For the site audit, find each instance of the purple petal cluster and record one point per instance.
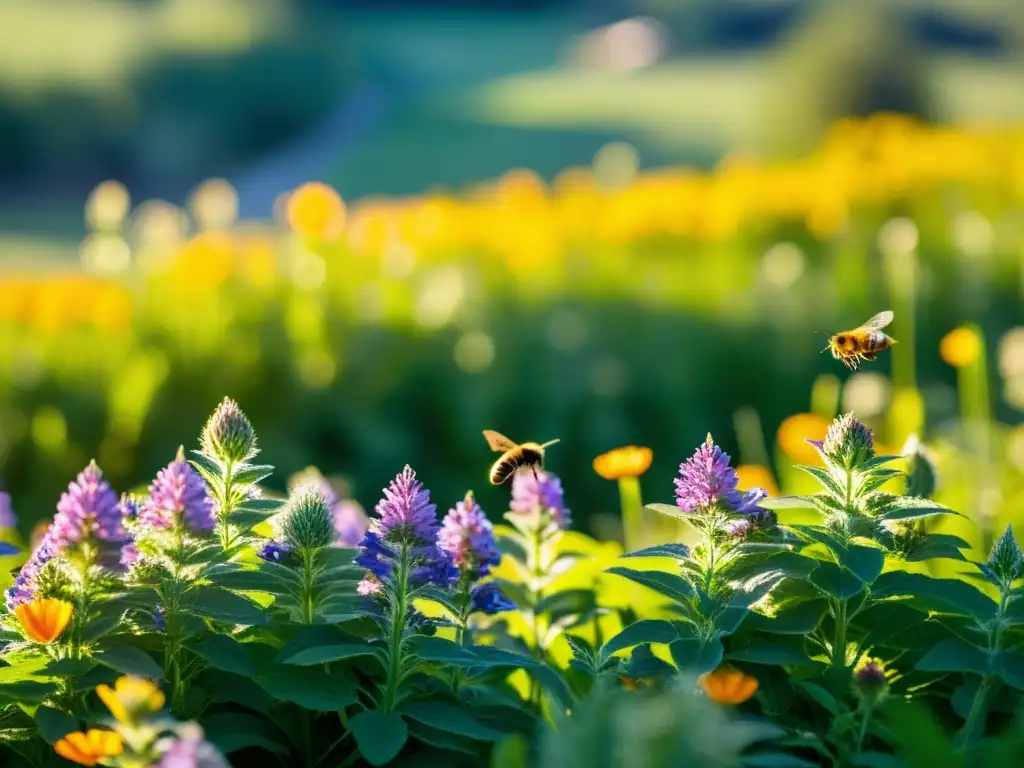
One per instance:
(7, 516)
(706, 480)
(468, 537)
(539, 494)
(275, 552)
(407, 522)
(405, 514)
(191, 750)
(350, 523)
(178, 492)
(23, 590)
(89, 509)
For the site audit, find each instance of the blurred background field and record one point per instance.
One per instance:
(607, 222)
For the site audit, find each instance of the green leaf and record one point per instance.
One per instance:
(694, 655)
(640, 633)
(1010, 667)
(442, 651)
(911, 507)
(26, 692)
(444, 740)
(675, 551)
(835, 582)
(863, 562)
(222, 605)
(309, 687)
(233, 731)
(53, 724)
(441, 597)
(445, 717)
(206, 465)
(643, 663)
(223, 653)
(823, 476)
(774, 654)
(822, 697)
(667, 584)
(940, 594)
(129, 660)
(878, 461)
(875, 479)
(799, 619)
(379, 735)
(250, 474)
(252, 580)
(512, 752)
(817, 534)
(938, 546)
(955, 655)
(323, 654)
(776, 760)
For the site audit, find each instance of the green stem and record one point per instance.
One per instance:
(632, 513)
(398, 618)
(227, 507)
(979, 706)
(308, 580)
(862, 734)
(839, 643)
(536, 595)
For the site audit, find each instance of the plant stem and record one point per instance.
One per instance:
(399, 598)
(536, 595)
(632, 513)
(226, 507)
(839, 644)
(308, 580)
(864, 728)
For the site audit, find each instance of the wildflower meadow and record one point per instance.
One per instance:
(830, 577)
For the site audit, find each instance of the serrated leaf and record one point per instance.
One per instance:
(251, 580)
(445, 717)
(129, 660)
(695, 655)
(955, 655)
(250, 474)
(908, 507)
(206, 465)
(787, 502)
(54, 724)
(799, 619)
(379, 735)
(309, 687)
(863, 562)
(836, 582)
(826, 479)
(667, 584)
(224, 653)
(949, 594)
(640, 633)
(324, 654)
(672, 550)
(221, 605)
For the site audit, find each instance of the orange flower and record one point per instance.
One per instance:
(628, 461)
(316, 210)
(755, 476)
(130, 697)
(727, 686)
(90, 747)
(633, 683)
(794, 433)
(960, 347)
(44, 620)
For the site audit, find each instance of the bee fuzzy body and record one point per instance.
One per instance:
(863, 343)
(514, 457)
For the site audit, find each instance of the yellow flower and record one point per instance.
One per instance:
(755, 476)
(628, 461)
(130, 697)
(794, 433)
(44, 620)
(90, 747)
(316, 210)
(960, 347)
(727, 686)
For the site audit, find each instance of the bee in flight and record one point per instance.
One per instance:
(863, 342)
(514, 456)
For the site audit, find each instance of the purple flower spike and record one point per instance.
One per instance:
(88, 509)
(468, 536)
(350, 523)
(7, 516)
(23, 590)
(489, 599)
(534, 495)
(706, 480)
(405, 513)
(191, 750)
(178, 490)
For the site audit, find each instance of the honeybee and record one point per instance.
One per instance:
(863, 342)
(514, 456)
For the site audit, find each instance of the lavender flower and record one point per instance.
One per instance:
(24, 588)
(350, 523)
(191, 750)
(706, 480)
(88, 510)
(406, 522)
(178, 492)
(489, 599)
(540, 494)
(7, 516)
(468, 536)
(405, 514)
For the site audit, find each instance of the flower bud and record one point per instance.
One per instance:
(307, 524)
(848, 443)
(922, 476)
(228, 435)
(1005, 560)
(870, 680)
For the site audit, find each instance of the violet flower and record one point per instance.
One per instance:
(178, 492)
(191, 750)
(468, 537)
(7, 517)
(350, 523)
(489, 599)
(275, 552)
(540, 494)
(88, 510)
(706, 481)
(405, 514)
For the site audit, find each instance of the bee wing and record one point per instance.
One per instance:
(878, 322)
(498, 441)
